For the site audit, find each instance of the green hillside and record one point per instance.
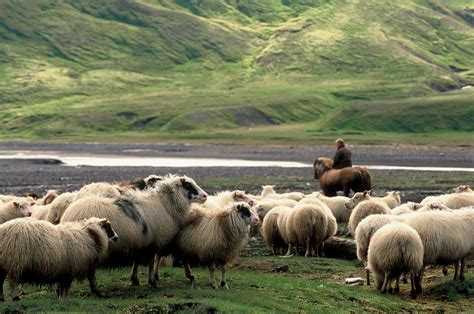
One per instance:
(287, 70)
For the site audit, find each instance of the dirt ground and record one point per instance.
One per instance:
(20, 176)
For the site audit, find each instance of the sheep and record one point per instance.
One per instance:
(141, 183)
(364, 205)
(148, 220)
(269, 192)
(264, 206)
(40, 212)
(214, 239)
(462, 189)
(307, 225)
(101, 189)
(224, 198)
(47, 198)
(448, 237)
(406, 208)
(336, 205)
(270, 232)
(12, 210)
(395, 249)
(59, 206)
(458, 200)
(364, 232)
(10, 198)
(392, 199)
(39, 252)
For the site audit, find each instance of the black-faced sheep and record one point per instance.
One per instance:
(36, 251)
(395, 249)
(147, 220)
(12, 210)
(364, 205)
(214, 238)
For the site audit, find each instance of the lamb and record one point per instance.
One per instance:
(222, 199)
(12, 210)
(392, 199)
(448, 237)
(38, 252)
(59, 206)
(270, 231)
(148, 220)
(364, 205)
(269, 192)
(214, 239)
(264, 206)
(307, 225)
(101, 189)
(406, 208)
(337, 206)
(395, 249)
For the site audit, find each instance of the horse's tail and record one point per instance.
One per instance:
(365, 180)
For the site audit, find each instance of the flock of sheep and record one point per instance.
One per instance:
(138, 222)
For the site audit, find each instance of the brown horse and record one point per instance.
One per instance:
(331, 180)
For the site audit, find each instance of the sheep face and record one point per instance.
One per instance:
(356, 199)
(107, 227)
(462, 189)
(246, 212)
(23, 208)
(193, 191)
(240, 196)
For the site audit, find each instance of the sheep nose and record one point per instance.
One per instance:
(203, 197)
(29, 214)
(114, 238)
(251, 203)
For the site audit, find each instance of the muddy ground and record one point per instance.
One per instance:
(18, 176)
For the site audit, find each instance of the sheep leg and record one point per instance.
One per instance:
(188, 273)
(397, 285)
(385, 284)
(463, 268)
(404, 278)
(156, 267)
(418, 278)
(445, 270)
(367, 272)
(321, 250)
(134, 275)
(212, 278)
(308, 247)
(413, 289)
(2, 281)
(456, 270)
(93, 284)
(63, 289)
(223, 280)
(151, 273)
(14, 290)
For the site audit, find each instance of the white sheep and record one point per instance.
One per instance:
(337, 206)
(11, 210)
(264, 206)
(364, 205)
(37, 251)
(269, 192)
(395, 249)
(147, 220)
(448, 237)
(214, 238)
(59, 206)
(224, 198)
(307, 225)
(270, 232)
(392, 199)
(408, 207)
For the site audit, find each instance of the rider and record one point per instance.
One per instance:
(342, 158)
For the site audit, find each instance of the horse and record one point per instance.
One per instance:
(332, 180)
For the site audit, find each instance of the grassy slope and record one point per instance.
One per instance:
(289, 70)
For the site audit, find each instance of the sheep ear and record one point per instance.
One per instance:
(32, 203)
(103, 221)
(17, 205)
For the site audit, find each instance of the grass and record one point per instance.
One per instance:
(256, 285)
(272, 71)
